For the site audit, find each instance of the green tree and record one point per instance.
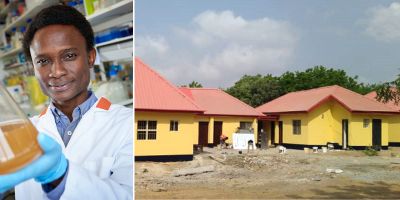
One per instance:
(389, 91)
(256, 90)
(195, 84)
(320, 76)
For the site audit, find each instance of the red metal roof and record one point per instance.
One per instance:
(217, 102)
(154, 93)
(305, 101)
(391, 104)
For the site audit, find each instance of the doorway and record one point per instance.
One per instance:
(345, 133)
(377, 134)
(272, 133)
(217, 132)
(203, 133)
(280, 126)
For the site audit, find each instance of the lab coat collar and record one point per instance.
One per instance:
(103, 104)
(47, 121)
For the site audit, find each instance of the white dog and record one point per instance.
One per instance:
(282, 149)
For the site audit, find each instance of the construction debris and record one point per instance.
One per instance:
(336, 171)
(220, 160)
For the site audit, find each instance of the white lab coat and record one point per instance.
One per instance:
(101, 143)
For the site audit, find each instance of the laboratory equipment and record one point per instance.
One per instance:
(18, 144)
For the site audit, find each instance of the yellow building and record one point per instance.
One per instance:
(164, 118)
(223, 114)
(327, 115)
(394, 121)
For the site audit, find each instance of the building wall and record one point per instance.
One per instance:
(320, 125)
(288, 136)
(324, 124)
(338, 114)
(360, 136)
(394, 129)
(167, 142)
(229, 126)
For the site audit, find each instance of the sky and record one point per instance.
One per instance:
(216, 42)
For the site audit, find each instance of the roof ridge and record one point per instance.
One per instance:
(318, 88)
(373, 91)
(302, 91)
(273, 100)
(169, 84)
(376, 101)
(371, 100)
(200, 88)
(238, 100)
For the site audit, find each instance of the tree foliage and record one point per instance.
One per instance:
(389, 91)
(195, 84)
(257, 90)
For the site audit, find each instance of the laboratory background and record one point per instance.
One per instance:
(111, 77)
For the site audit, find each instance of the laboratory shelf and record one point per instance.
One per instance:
(10, 53)
(114, 41)
(21, 20)
(111, 12)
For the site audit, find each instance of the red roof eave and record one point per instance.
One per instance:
(163, 110)
(232, 115)
(328, 98)
(286, 112)
(269, 117)
(376, 112)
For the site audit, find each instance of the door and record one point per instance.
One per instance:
(262, 134)
(280, 126)
(217, 132)
(345, 133)
(272, 133)
(260, 130)
(203, 133)
(377, 134)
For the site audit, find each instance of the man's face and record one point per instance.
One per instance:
(62, 63)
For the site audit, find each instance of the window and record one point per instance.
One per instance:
(147, 130)
(297, 127)
(365, 123)
(173, 125)
(141, 132)
(245, 125)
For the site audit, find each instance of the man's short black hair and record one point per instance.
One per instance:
(62, 15)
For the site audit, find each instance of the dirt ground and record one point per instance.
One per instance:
(266, 174)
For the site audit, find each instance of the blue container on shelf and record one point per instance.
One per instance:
(107, 36)
(125, 31)
(115, 33)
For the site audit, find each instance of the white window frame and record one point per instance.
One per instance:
(174, 125)
(366, 123)
(150, 133)
(296, 123)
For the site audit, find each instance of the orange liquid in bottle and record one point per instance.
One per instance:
(18, 145)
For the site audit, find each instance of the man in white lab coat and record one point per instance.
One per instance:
(87, 142)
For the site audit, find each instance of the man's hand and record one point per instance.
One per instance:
(47, 168)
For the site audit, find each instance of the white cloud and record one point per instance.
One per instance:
(218, 48)
(384, 23)
(151, 45)
(227, 28)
